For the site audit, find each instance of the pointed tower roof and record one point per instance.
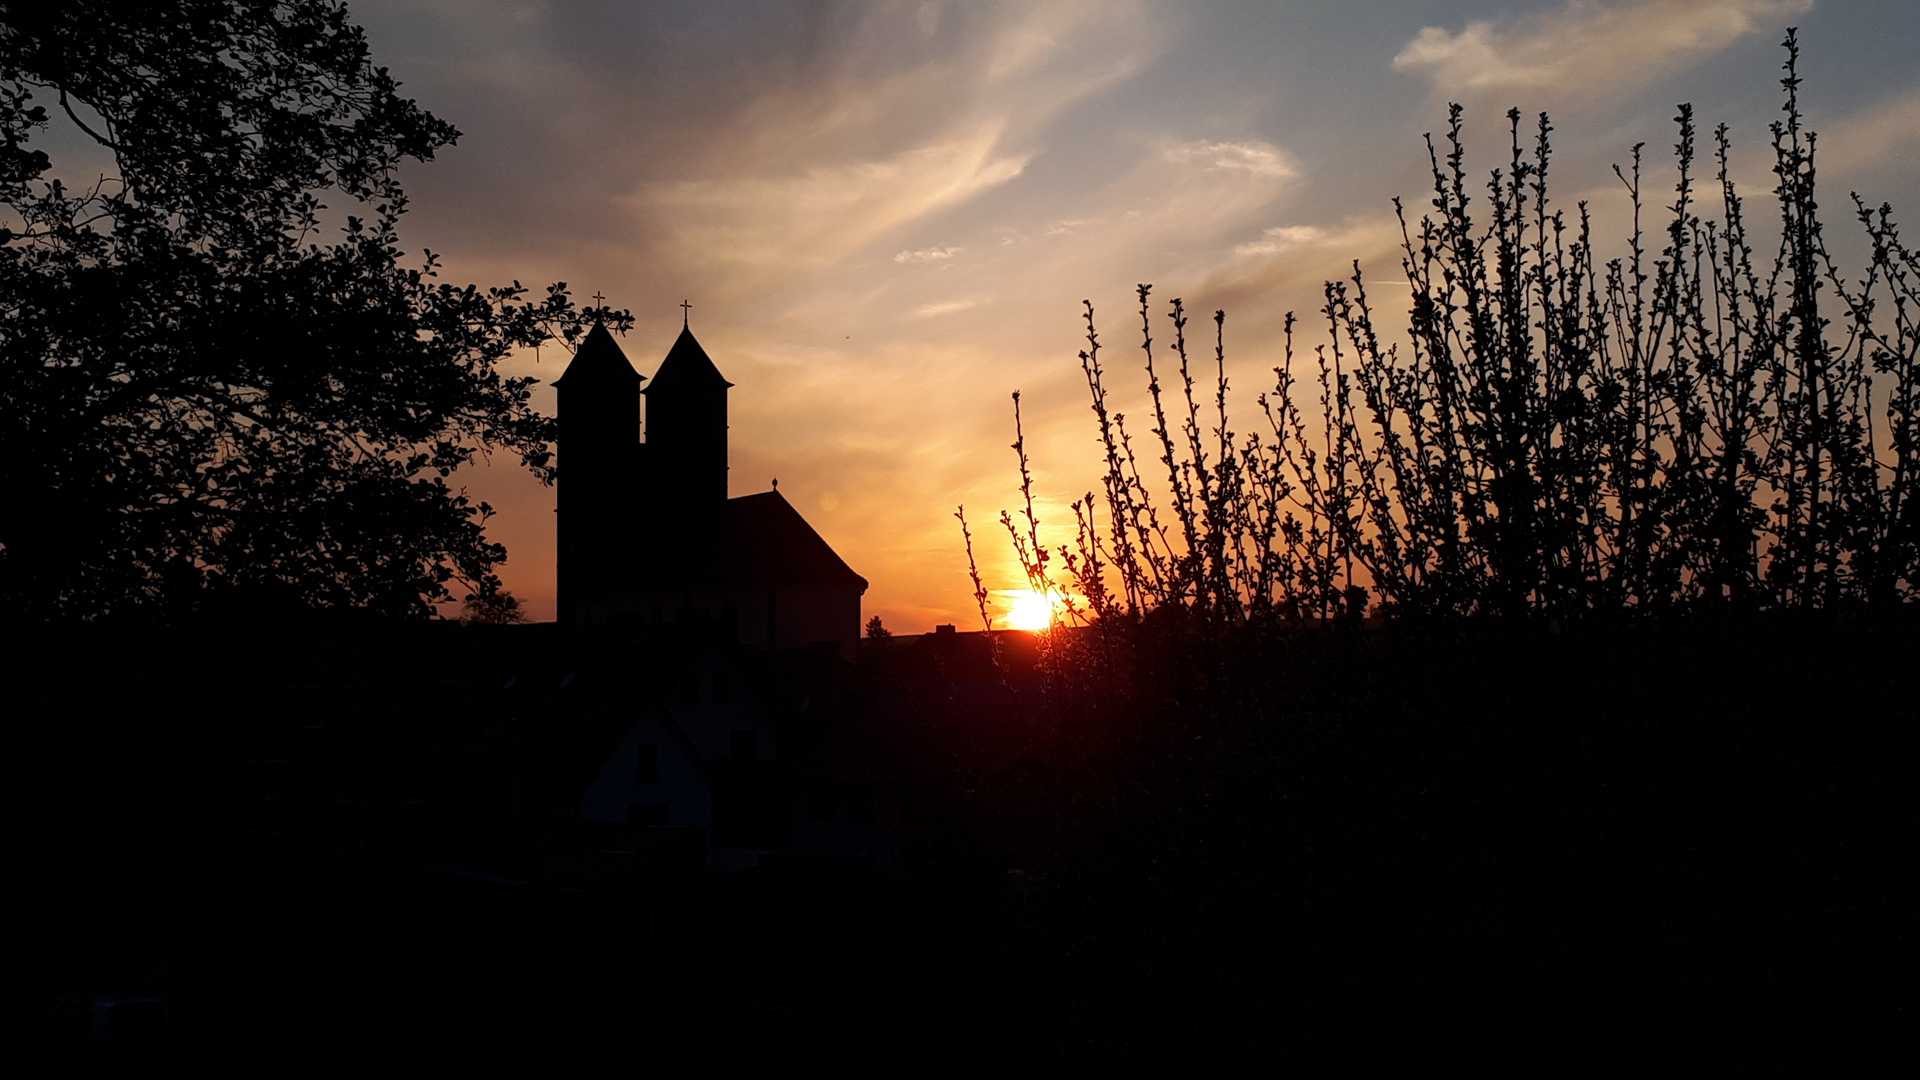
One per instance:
(600, 360)
(687, 366)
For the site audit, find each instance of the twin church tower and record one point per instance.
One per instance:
(646, 530)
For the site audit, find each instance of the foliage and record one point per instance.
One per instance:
(1560, 438)
(496, 608)
(199, 399)
(877, 630)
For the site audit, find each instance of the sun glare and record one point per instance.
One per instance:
(1031, 610)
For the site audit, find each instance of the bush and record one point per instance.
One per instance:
(1560, 438)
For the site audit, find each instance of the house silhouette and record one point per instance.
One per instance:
(646, 531)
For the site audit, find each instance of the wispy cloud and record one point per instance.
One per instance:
(818, 167)
(1284, 238)
(948, 307)
(1289, 262)
(1252, 156)
(1585, 46)
(821, 215)
(1885, 132)
(928, 255)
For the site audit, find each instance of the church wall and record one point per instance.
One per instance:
(600, 522)
(686, 436)
(807, 613)
(688, 430)
(796, 614)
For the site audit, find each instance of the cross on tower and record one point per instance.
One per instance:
(600, 300)
(686, 314)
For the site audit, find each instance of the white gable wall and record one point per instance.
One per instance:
(682, 782)
(709, 724)
(686, 734)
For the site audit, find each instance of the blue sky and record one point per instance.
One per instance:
(886, 215)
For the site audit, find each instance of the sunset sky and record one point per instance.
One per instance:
(886, 215)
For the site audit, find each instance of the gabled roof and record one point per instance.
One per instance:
(686, 367)
(600, 360)
(768, 542)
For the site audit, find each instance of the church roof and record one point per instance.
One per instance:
(599, 360)
(769, 542)
(687, 366)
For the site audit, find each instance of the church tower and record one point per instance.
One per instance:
(599, 541)
(687, 452)
(646, 530)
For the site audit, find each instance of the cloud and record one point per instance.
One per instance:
(819, 216)
(1262, 159)
(927, 255)
(1871, 138)
(681, 147)
(1288, 264)
(887, 126)
(1284, 238)
(948, 307)
(1585, 46)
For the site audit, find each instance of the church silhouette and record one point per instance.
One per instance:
(645, 528)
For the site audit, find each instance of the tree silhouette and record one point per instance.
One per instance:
(496, 608)
(201, 401)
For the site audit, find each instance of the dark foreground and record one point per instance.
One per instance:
(1519, 847)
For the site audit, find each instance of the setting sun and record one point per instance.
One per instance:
(1032, 610)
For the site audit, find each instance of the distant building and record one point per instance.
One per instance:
(646, 530)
